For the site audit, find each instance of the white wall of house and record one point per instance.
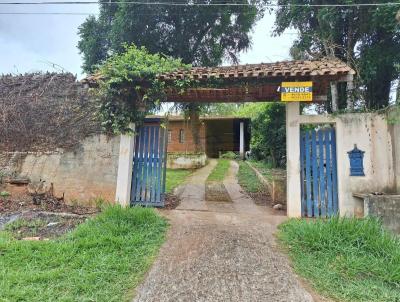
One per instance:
(371, 132)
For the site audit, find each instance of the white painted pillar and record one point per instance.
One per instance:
(241, 140)
(293, 189)
(125, 163)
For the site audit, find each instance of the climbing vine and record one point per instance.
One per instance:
(128, 87)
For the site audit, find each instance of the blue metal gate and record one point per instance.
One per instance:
(149, 167)
(319, 194)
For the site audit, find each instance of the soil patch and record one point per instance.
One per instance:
(171, 201)
(34, 225)
(25, 202)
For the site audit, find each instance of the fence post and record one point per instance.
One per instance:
(125, 163)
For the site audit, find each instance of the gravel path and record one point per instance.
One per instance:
(221, 252)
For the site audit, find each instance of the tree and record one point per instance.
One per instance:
(268, 131)
(199, 35)
(366, 37)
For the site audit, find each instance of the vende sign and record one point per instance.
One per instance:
(296, 92)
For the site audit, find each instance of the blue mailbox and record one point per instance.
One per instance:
(356, 157)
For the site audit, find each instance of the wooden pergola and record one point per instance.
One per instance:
(259, 82)
(255, 82)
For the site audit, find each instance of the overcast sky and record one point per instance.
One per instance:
(31, 43)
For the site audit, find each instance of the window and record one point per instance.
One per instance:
(169, 136)
(181, 136)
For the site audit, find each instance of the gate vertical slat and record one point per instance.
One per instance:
(145, 163)
(164, 161)
(151, 168)
(308, 175)
(135, 166)
(321, 148)
(302, 145)
(334, 172)
(140, 166)
(160, 152)
(328, 170)
(155, 164)
(315, 173)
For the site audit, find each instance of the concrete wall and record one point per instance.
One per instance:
(385, 207)
(83, 174)
(186, 160)
(394, 129)
(372, 134)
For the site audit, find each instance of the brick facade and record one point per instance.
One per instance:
(217, 134)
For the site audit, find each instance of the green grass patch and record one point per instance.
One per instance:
(175, 178)
(103, 259)
(220, 170)
(345, 259)
(248, 179)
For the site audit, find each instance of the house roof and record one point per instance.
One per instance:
(264, 70)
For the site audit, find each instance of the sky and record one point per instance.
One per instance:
(30, 43)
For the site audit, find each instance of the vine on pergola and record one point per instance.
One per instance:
(128, 87)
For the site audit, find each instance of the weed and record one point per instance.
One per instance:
(5, 194)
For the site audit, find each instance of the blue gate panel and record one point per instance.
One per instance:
(319, 195)
(149, 167)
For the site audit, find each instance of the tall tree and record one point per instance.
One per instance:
(366, 37)
(199, 35)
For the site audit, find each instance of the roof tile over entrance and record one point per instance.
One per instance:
(265, 70)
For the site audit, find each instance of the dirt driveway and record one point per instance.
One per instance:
(220, 251)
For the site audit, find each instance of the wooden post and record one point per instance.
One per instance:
(334, 94)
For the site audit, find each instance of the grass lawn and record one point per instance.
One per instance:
(267, 171)
(103, 259)
(175, 178)
(345, 259)
(220, 170)
(248, 179)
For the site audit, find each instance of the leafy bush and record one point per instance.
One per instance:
(229, 155)
(268, 133)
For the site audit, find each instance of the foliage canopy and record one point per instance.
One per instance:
(366, 37)
(199, 35)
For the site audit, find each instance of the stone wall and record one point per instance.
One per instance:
(87, 172)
